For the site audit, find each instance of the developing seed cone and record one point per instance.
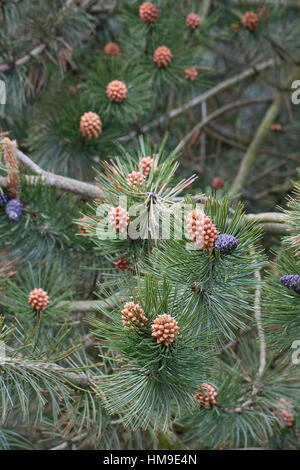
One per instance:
(148, 12)
(133, 315)
(165, 329)
(250, 21)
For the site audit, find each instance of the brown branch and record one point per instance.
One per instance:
(91, 191)
(241, 143)
(255, 145)
(217, 113)
(255, 69)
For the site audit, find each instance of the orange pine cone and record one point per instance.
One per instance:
(133, 315)
(162, 56)
(122, 263)
(285, 412)
(191, 74)
(201, 230)
(218, 182)
(38, 299)
(250, 20)
(206, 396)
(82, 228)
(165, 329)
(116, 91)
(111, 48)
(193, 20)
(276, 127)
(148, 12)
(119, 219)
(146, 165)
(135, 178)
(90, 125)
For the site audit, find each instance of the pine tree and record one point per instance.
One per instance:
(149, 225)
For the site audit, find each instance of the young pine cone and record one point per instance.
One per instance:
(38, 299)
(193, 20)
(226, 243)
(122, 263)
(250, 20)
(148, 12)
(162, 56)
(90, 125)
(111, 48)
(206, 396)
(287, 417)
(191, 74)
(119, 219)
(165, 329)
(4, 198)
(201, 230)
(276, 127)
(135, 178)
(218, 182)
(133, 315)
(146, 165)
(116, 91)
(82, 228)
(292, 281)
(14, 209)
(285, 413)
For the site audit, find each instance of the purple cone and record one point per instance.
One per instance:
(14, 209)
(4, 198)
(226, 243)
(292, 281)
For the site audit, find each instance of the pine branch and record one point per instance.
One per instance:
(36, 51)
(255, 145)
(91, 191)
(218, 112)
(224, 85)
(287, 3)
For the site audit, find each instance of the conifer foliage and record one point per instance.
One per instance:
(149, 225)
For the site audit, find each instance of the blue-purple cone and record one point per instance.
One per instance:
(226, 243)
(14, 209)
(292, 281)
(4, 198)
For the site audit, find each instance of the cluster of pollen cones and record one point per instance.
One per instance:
(165, 329)
(201, 230)
(38, 299)
(206, 396)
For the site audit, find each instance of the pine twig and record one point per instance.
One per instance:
(217, 113)
(91, 191)
(261, 335)
(256, 143)
(224, 85)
